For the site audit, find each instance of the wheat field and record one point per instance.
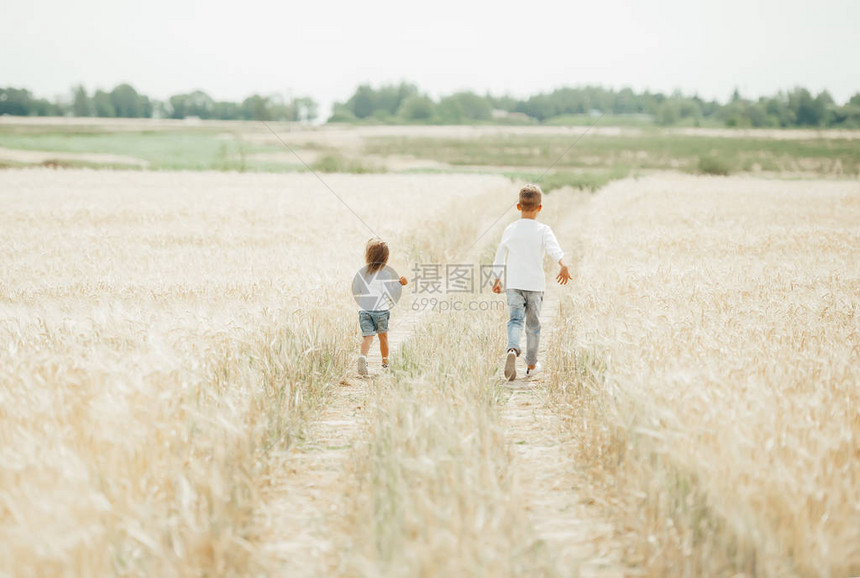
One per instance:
(718, 347)
(178, 348)
(161, 333)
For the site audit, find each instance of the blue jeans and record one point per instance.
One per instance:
(524, 306)
(373, 322)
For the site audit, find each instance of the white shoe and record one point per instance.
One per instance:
(511, 365)
(362, 365)
(535, 371)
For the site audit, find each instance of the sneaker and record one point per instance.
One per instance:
(384, 366)
(532, 372)
(362, 365)
(511, 365)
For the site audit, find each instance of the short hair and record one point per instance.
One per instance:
(530, 197)
(376, 255)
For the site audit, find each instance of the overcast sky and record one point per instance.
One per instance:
(325, 49)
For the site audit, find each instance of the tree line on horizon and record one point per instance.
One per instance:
(404, 103)
(125, 102)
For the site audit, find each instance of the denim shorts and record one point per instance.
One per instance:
(373, 322)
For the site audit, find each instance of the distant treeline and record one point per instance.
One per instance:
(125, 102)
(405, 103)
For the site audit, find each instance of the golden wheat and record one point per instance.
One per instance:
(435, 492)
(717, 347)
(163, 334)
(160, 333)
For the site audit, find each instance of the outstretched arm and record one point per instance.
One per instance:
(392, 283)
(554, 250)
(563, 274)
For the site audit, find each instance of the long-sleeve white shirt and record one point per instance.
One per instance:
(524, 243)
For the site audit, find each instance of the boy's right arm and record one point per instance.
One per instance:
(499, 266)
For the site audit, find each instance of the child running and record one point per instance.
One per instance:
(375, 287)
(524, 243)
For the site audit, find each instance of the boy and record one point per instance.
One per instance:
(524, 242)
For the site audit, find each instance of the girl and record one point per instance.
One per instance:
(376, 288)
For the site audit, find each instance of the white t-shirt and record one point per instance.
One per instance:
(379, 291)
(524, 243)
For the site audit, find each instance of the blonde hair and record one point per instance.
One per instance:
(376, 255)
(530, 197)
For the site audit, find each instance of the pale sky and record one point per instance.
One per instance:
(325, 49)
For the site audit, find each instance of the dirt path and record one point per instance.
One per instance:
(306, 488)
(302, 499)
(580, 538)
(563, 514)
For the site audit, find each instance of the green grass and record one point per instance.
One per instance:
(68, 164)
(164, 150)
(592, 162)
(195, 149)
(585, 180)
(649, 150)
(714, 166)
(622, 120)
(337, 163)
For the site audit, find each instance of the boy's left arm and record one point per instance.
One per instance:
(554, 250)
(563, 274)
